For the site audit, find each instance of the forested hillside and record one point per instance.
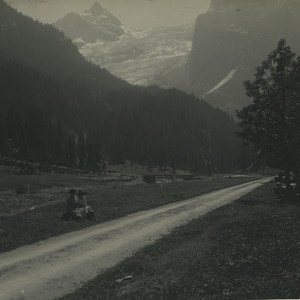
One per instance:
(57, 108)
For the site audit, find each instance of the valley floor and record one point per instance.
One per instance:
(245, 250)
(32, 205)
(54, 267)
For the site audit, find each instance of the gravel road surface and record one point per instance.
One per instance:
(54, 267)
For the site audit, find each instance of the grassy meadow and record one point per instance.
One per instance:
(32, 205)
(245, 250)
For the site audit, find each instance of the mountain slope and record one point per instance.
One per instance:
(44, 48)
(233, 37)
(55, 107)
(144, 57)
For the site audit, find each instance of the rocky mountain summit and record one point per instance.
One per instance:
(92, 25)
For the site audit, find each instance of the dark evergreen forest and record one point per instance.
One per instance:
(57, 108)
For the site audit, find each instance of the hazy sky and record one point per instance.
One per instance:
(135, 13)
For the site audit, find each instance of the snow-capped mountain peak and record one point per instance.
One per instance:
(147, 56)
(143, 56)
(97, 15)
(96, 9)
(92, 25)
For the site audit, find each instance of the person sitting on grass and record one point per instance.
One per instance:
(71, 206)
(83, 210)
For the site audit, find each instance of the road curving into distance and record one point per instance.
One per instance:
(59, 265)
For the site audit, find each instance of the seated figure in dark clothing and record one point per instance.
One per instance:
(77, 207)
(71, 206)
(84, 210)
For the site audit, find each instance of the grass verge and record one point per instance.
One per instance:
(108, 201)
(245, 250)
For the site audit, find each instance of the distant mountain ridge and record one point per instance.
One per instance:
(92, 25)
(211, 60)
(143, 57)
(147, 56)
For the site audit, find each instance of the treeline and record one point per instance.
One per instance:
(46, 120)
(57, 108)
(59, 122)
(167, 127)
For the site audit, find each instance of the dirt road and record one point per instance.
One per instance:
(59, 265)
